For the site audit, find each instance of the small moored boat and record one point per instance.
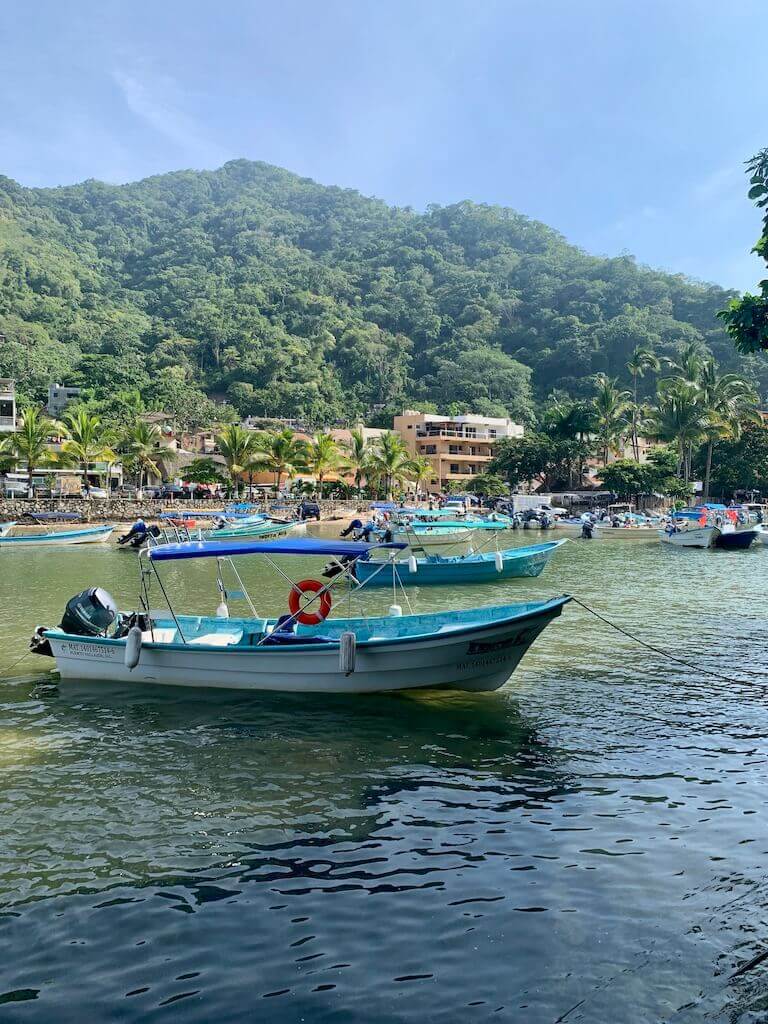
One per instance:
(484, 567)
(88, 535)
(302, 651)
(689, 528)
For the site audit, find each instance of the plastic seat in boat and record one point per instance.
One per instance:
(218, 639)
(159, 636)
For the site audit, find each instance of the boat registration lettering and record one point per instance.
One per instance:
(464, 666)
(489, 647)
(80, 650)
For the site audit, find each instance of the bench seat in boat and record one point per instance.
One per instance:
(218, 639)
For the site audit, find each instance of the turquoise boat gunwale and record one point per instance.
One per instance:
(535, 610)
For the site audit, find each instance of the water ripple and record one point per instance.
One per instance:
(586, 845)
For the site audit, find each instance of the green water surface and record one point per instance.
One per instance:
(591, 838)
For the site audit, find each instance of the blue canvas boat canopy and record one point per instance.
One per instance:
(207, 514)
(289, 546)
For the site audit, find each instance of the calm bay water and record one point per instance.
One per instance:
(589, 841)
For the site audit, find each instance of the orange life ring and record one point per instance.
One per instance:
(189, 523)
(309, 587)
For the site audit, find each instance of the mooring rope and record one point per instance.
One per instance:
(660, 651)
(7, 671)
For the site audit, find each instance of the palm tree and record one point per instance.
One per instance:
(141, 446)
(688, 366)
(611, 406)
(679, 417)
(30, 443)
(357, 457)
(283, 453)
(728, 400)
(322, 456)
(236, 445)
(567, 420)
(642, 359)
(85, 442)
(254, 462)
(389, 460)
(420, 470)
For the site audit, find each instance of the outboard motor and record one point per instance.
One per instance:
(89, 613)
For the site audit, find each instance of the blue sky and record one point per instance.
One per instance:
(622, 123)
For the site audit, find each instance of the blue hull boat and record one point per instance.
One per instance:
(737, 540)
(514, 563)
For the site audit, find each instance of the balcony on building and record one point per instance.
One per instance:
(7, 405)
(463, 433)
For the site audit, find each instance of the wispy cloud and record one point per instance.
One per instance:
(158, 100)
(721, 184)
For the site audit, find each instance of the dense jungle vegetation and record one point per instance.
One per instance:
(262, 290)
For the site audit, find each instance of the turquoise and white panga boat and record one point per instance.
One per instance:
(85, 535)
(482, 567)
(302, 650)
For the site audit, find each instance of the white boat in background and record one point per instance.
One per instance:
(689, 537)
(6, 528)
(87, 535)
(606, 531)
(457, 538)
(303, 651)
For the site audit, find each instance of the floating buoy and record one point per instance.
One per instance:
(395, 610)
(498, 561)
(413, 565)
(132, 648)
(222, 611)
(347, 648)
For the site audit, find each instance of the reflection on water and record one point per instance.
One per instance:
(589, 841)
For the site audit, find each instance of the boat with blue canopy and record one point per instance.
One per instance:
(255, 526)
(737, 527)
(301, 650)
(482, 567)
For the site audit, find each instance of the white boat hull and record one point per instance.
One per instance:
(626, 532)
(701, 537)
(482, 658)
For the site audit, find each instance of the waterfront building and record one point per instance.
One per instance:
(459, 447)
(59, 397)
(343, 435)
(7, 405)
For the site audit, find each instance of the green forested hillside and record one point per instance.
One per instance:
(276, 295)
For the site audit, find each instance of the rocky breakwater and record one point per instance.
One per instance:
(126, 510)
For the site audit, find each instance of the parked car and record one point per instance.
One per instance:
(309, 510)
(553, 510)
(94, 492)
